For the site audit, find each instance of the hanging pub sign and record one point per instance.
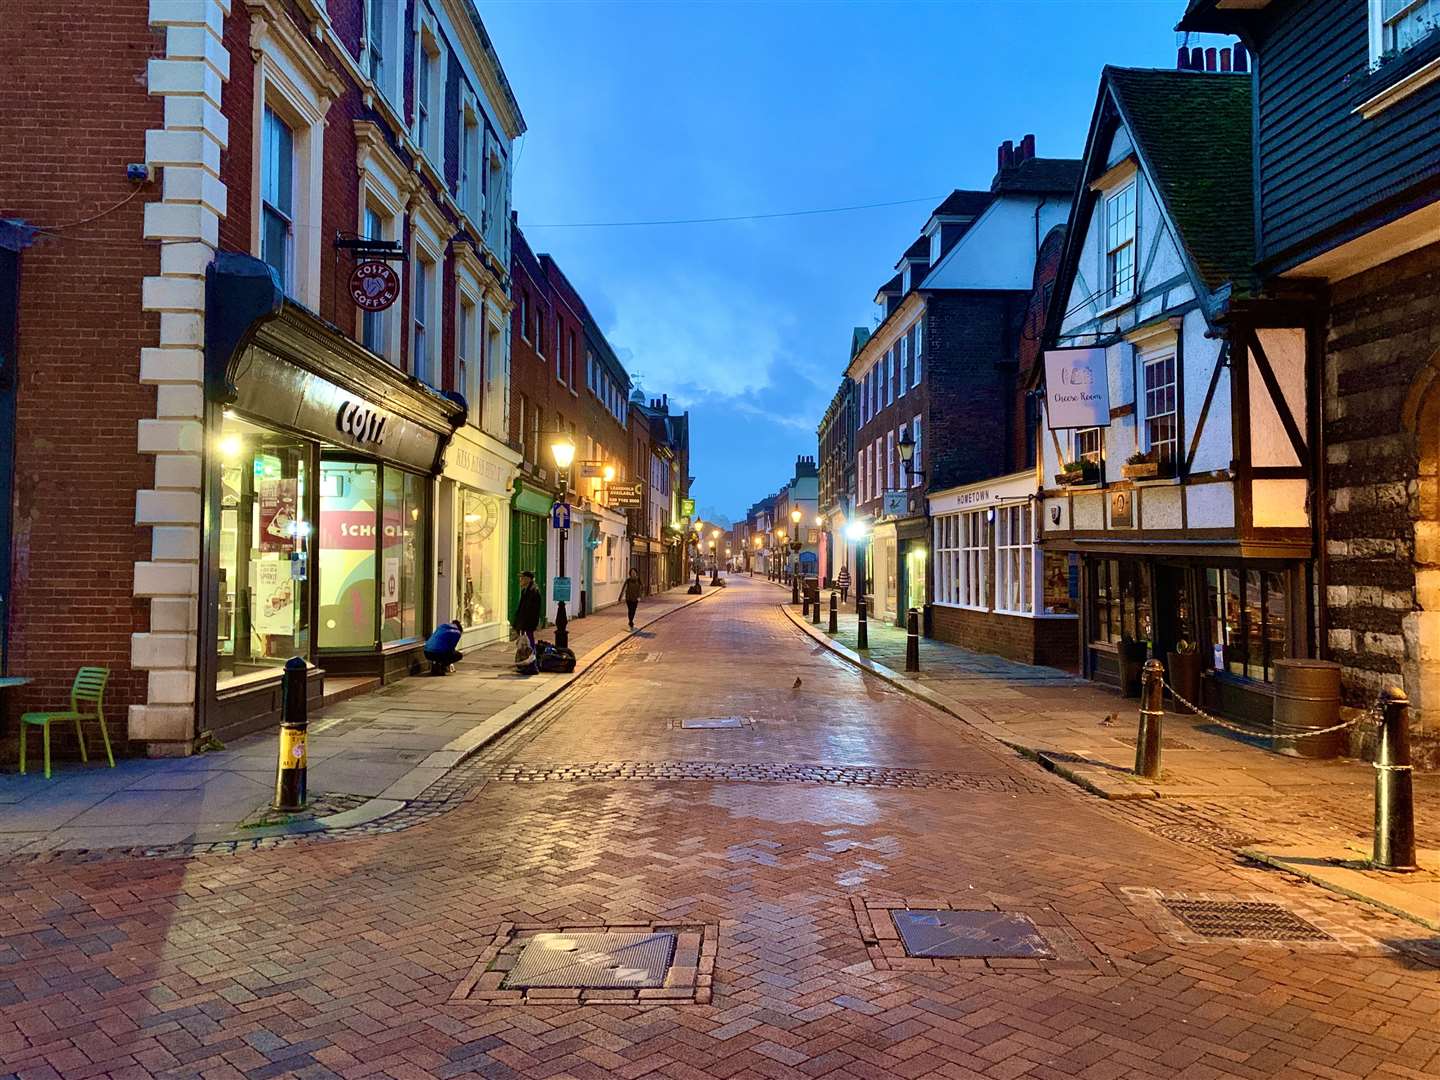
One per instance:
(1076, 389)
(896, 504)
(374, 286)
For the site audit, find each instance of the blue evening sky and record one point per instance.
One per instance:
(643, 111)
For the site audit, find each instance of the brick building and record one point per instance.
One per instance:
(295, 469)
(937, 376)
(566, 382)
(836, 498)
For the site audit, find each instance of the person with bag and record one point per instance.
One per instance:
(527, 620)
(634, 590)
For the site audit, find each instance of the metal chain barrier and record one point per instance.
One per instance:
(1374, 714)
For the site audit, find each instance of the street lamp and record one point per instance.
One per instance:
(695, 558)
(796, 543)
(855, 533)
(563, 451)
(906, 446)
(714, 559)
(759, 541)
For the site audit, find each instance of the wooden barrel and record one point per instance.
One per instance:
(1307, 695)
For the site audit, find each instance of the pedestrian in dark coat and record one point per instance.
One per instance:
(634, 590)
(527, 614)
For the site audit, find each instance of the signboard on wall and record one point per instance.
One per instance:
(687, 508)
(897, 504)
(1077, 393)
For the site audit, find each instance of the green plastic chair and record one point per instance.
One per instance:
(88, 689)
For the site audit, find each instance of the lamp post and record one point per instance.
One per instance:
(714, 557)
(795, 545)
(777, 559)
(563, 451)
(758, 542)
(855, 532)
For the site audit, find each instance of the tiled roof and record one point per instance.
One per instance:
(919, 249)
(891, 286)
(1039, 176)
(961, 203)
(1193, 132)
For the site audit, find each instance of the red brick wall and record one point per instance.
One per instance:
(81, 331)
(1052, 642)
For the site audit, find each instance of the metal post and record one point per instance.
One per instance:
(912, 640)
(294, 722)
(1394, 795)
(1152, 714)
(795, 581)
(862, 631)
(805, 603)
(562, 635)
(815, 606)
(834, 613)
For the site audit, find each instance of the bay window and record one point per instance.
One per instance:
(1014, 560)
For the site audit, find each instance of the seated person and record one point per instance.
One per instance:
(440, 649)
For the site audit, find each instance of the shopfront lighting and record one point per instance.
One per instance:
(819, 522)
(563, 451)
(231, 446)
(855, 531)
(609, 473)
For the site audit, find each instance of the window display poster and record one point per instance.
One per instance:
(274, 597)
(279, 500)
(391, 586)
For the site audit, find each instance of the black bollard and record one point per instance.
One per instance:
(815, 606)
(294, 722)
(862, 631)
(1152, 714)
(805, 603)
(794, 587)
(912, 640)
(834, 613)
(1394, 794)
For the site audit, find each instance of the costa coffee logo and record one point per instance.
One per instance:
(364, 423)
(374, 286)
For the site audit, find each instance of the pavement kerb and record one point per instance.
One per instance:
(1316, 877)
(1093, 780)
(463, 747)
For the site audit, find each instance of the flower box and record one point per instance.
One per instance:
(1140, 470)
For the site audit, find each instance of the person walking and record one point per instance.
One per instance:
(527, 615)
(634, 590)
(440, 649)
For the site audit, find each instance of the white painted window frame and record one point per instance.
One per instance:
(974, 540)
(429, 42)
(1014, 554)
(392, 51)
(385, 185)
(426, 245)
(1378, 23)
(1129, 239)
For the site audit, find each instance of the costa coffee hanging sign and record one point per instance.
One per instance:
(374, 286)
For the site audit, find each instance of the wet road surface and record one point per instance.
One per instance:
(775, 849)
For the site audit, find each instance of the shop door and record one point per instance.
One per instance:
(915, 578)
(530, 532)
(1174, 609)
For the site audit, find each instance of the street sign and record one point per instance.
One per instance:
(560, 516)
(897, 504)
(592, 470)
(687, 508)
(560, 590)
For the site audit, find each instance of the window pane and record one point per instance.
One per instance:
(348, 509)
(402, 555)
(1254, 626)
(264, 601)
(1276, 619)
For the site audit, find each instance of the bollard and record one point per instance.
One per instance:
(1394, 795)
(912, 640)
(290, 770)
(794, 588)
(834, 613)
(1152, 714)
(862, 631)
(805, 603)
(815, 606)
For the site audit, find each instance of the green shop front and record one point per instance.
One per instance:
(318, 503)
(529, 534)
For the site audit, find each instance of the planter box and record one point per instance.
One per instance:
(1083, 476)
(1147, 470)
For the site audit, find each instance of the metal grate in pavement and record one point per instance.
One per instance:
(1209, 835)
(972, 934)
(592, 962)
(713, 722)
(1243, 919)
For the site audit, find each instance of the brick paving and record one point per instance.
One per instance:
(342, 958)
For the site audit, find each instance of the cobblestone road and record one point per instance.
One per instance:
(774, 848)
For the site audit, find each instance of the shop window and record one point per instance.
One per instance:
(1248, 615)
(481, 568)
(349, 501)
(1160, 420)
(402, 578)
(975, 559)
(1122, 601)
(264, 542)
(1014, 561)
(277, 198)
(1062, 583)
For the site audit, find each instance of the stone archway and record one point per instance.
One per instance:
(1420, 417)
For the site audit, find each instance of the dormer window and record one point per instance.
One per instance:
(1396, 25)
(1120, 244)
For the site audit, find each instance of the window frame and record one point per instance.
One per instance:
(1126, 243)
(1159, 393)
(1015, 558)
(974, 542)
(427, 127)
(1378, 25)
(1080, 452)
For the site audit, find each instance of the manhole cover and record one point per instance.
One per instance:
(714, 722)
(1249, 919)
(1212, 835)
(592, 961)
(969, 934)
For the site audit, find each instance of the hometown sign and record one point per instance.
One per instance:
(1076, 391)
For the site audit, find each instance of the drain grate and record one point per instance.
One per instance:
(973, 934)
(1246, 919)
(1208, 835)
(708, 722)
(592, 962)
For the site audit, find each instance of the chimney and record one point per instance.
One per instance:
(1182, 59)
(1242, 57)
(1210, 58)
(1027, 148)
(1005, 155)
(1197, 59)
(1224, 59)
